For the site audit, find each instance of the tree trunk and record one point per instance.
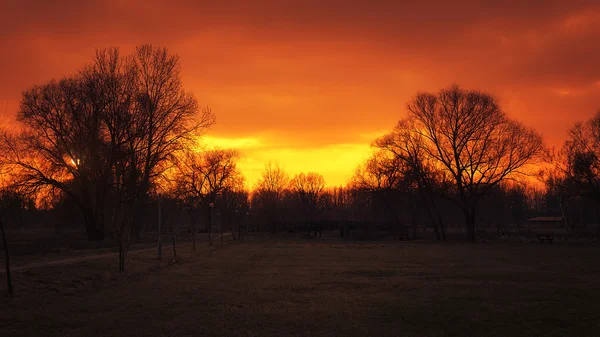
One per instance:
(7, 260)
(91, 227)
(470, 223)
(232, 231)
(564, 213)
(209, 229)
(193, 235)
(121, 257)
(433, 216)
(221, 230)
(93, 233)
(442, 227)
(414, 223)
(158, 231)
(173, 240)
(436, 228)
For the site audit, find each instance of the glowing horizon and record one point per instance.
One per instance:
(256, 153)
(310, 84)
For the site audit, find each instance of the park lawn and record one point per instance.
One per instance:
(297, 287)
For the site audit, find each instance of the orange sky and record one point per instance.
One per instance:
(310, 83)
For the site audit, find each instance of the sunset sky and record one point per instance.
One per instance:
(309, 84)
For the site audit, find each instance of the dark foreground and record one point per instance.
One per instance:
(316, 288)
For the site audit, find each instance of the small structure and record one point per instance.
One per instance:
(545, 223)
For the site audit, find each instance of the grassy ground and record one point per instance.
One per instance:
(296, 287)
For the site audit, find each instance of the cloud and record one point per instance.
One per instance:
(308, 75)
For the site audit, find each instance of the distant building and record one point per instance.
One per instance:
(546, 223)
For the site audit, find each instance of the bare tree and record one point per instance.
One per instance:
(477, 145)
(273, 179)
(8, 197)
(575, 173)
(103, 135)
(406, 158)
(579, 162)
(308, 188)
(170, 209)
(234, 202)
(203, 176)
(381, 178)
(11, 198)
(269, 192)
(129, 110)
(169, 116)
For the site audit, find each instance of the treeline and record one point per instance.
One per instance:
(122, 137)
(104, 139)
(455, 158)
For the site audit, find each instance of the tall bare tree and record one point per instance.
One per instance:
(101, 136)
(119, 116)
(169, 115)
(7, 198)
(466, 133)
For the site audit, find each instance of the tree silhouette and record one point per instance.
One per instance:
(204, 176)
(383, 180)
(395, 175)
(307, 188)
(169, 116)
(575, 173)
(114, 126)
(581, 158)
(8, 196)
(471, 139)
(269, 192)
(103, 135)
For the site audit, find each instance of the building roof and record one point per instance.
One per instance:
(547, 219)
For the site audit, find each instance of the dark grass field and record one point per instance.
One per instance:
(297, 287)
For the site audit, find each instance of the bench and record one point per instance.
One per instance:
(543, 237)
(402, 236)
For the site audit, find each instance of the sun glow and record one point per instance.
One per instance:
(212, 142)
(74, 161)
(336, 162)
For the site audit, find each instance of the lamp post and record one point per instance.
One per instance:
(211, 205)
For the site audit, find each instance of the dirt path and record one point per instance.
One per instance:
(61, 261)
